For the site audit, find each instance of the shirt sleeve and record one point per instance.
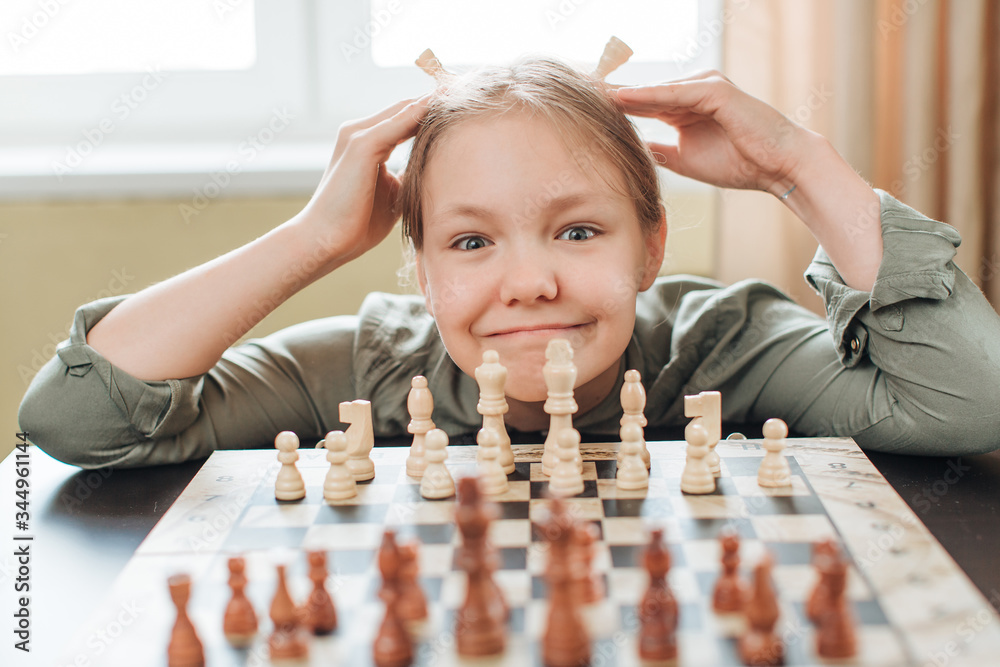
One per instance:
(83, 410)
(911, 367)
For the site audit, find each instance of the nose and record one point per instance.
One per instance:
(528, 277)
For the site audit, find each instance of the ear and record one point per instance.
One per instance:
(418, 260)
(656, 242)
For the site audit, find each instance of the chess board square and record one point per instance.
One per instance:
(709, 506)
(435, 559)
(516, 491)
(431, 586)
(334, 536)
(514, 510)
(689, 617)
(578, 508)
(540, 531)
(516, 586)
(793, 528)
(421, 512)
(290, 515)
(428, 533)
(658, 488)
(522, 472)
(765, 504)
(692, 528)
(747, 486)
(541, 489)
(623, 507)
(635, 530)
(607, 469)
(351, 561)
(790, 553)
(247, 539)
(373, 513)
(510, 533)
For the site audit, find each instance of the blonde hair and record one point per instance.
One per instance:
(578, 108)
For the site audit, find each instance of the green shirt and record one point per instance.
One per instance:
(913, 366)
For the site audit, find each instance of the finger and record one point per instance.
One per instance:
(665, 155)
(701, 96)
(349, 129)
(379, 140)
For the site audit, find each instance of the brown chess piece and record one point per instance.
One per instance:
(239, 622)
(392, 647)
(287, 641)
(590, 582)
(184, 649)
(412, 605)
(658, 609)
(835, 635)
(479, 622)
(760, 645)
(319, 612)
(730, 589)
(565, 642)
(819, 598)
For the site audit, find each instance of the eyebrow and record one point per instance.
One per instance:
(543, 203)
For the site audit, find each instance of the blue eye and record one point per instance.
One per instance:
(577, 234)
(471, 243)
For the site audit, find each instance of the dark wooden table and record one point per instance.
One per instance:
(87, 524)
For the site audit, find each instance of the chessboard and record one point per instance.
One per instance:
(912, 604)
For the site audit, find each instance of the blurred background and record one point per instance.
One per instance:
(140, 138)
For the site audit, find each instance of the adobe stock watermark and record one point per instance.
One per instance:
(921, 162)
(899, 16)
(362, 36)
(120, 279)
(33, 24)
(121, 108)
(710, 32)
(246, 152)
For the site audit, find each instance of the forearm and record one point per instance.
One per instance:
(839, 208)
(180, 328)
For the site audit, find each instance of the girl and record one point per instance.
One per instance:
(534, 212)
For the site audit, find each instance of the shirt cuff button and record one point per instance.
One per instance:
(855, 344)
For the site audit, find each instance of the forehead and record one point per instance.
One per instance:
(491, 159)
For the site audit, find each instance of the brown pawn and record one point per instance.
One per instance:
(658, 609)
(287, 641)
(730, 589)
(590, 583)
(565, 642)
(760, 645)
(835, 636)
(319, 614)
(239, 622)
(479, 622)
(819, 599)
(412, 603)
(392, 647)
(184, 649)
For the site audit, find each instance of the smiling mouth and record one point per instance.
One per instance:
(543, 330)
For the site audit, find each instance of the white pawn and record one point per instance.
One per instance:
(492, 478)
(567, 480)
(437, 481)
(774, 470)
(633, 399)
(697, 477)
(339, 483)
(632, 473)
(420, 405)
(289, 484)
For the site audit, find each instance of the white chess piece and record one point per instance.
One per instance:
(560, 378)
(420, 405)
(696, 478)
(632, 474)
(339, 483)
(289, 484)
(492, 376)
(360, 438)
(616, 53)
(567, 480)
(492, 478)
(437, 481)
(633, 399)
(706, 408)
(774, 470)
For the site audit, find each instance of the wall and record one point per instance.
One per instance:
(56, 256)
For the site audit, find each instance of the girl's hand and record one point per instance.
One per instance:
(352, 210)
(726, 137)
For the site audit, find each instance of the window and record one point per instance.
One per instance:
(137, 97)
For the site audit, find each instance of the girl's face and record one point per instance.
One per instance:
(525, 242)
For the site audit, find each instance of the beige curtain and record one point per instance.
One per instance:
(907, 90)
